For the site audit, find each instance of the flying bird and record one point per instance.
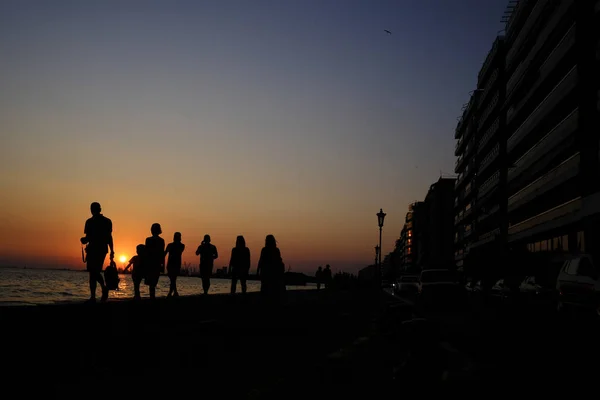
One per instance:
(388, 32)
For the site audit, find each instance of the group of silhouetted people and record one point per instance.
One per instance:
(149, 262)
(323, 276)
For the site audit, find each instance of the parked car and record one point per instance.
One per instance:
(407, 285)
(500, 291)
(578, 284)
(439, 286)
(537, 291)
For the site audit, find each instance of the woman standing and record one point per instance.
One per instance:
(174, 249)
(208, 254)
(155, 252)
(271, 270)
(239, 264)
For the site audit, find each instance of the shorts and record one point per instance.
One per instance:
(95, 262)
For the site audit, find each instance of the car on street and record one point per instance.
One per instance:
(439, 286)
(578, 284)
(407, 286)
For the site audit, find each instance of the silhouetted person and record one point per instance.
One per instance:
(239, 264)
(174, 249)
(319, 277)
(327, 278)
(137, 275)
(98, 240)
(208, 254)
(111, 276)
(271, 270)
(155, 258)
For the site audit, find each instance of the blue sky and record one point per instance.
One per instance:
(298, 118)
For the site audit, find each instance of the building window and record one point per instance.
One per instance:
(556, 245)
(565, 243)
(580, 241)
(537, 246)
(544, 245)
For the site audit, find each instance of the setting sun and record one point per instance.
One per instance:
(123, 258)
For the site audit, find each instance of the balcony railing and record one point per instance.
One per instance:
(517, 44)
(488, 87)
(484, 214)
(546, 68)
(567, 84)
(490, 183)
(491, 156)
(468, 213)
(489, 59)
(488, 110)
(486, 237)
(554, 138)
(569, 207)
(459, 146)
(540, 42)
(491, 131)
(560, 174)
(516, 14)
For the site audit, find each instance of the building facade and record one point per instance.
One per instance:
(408, 246)
(534, 123)
(437, 233)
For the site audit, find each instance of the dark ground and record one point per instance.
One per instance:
(341, 344)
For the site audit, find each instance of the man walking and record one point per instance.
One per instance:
(98, 239)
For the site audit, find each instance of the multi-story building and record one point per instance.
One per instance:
(488, 201)
(528, 140)
(553, 173)
(409, 237)
(437, 233)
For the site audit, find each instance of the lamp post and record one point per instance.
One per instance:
(380, 218)
(376, 254)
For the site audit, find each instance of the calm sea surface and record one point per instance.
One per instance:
(38, 286)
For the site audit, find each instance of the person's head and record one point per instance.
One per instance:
(270, 241)
(320, 268)
(95, 208)
(139, 249)
(327, 266)
(156, 229)
(177, 237)
(240, 241)
(206, 239)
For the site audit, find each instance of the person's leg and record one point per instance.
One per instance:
(233, 283)
(171, 286)
(243, 283)
(92, 277)
(205, 284)
(174, 281)
(152, 292)
(100, 280)
(94, 266)
(136, 289)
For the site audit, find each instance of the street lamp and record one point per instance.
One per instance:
(380, 218)
(376, 254)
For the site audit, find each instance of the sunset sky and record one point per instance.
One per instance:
(298, 118)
